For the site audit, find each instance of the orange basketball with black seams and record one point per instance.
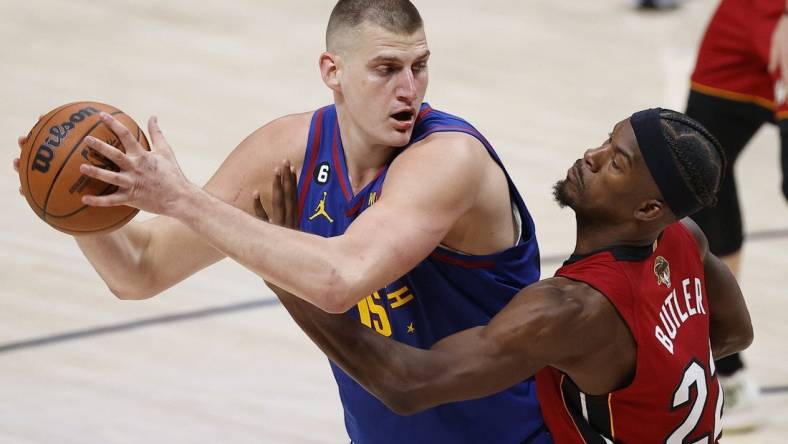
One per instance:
(49, 168)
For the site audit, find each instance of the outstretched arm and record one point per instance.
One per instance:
(730, 324)
(549, 323)
(332, 273)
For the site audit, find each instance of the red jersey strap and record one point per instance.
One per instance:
(604, 274)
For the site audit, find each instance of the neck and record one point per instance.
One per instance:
(596, 236)
(363, 157)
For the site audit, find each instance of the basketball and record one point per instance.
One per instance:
(49, 168)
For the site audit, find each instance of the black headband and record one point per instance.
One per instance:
(656, 152)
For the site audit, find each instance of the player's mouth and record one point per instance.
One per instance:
(575, 175)
(403, 120)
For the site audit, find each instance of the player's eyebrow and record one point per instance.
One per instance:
(623, 153)
(390, 58)
(424, 55)
(617, 148)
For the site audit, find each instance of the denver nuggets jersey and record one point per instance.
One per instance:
(445, 293)
(675, 396)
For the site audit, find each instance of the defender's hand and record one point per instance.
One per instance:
(778, 53)
(149, 180)
(284, 201)
(284, 205)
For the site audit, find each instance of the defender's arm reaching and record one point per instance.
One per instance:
(554, 322)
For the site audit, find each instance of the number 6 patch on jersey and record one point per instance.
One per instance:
(322, 173)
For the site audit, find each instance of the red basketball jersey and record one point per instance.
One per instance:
(675, 396)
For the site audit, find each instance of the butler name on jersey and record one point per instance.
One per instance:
(677, 308)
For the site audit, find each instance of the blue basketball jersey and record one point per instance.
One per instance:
(446, 293)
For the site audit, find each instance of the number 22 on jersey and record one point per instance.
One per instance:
(695, 375)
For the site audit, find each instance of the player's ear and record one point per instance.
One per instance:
(329, 70)
(650, 210)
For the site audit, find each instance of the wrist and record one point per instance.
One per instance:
(185, 202)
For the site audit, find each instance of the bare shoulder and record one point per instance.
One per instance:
(250, 165)
(569, 313)
(454, 147)
(566, 300)
(467, 190)
(286, 135)
(451, 160)
(700, 237)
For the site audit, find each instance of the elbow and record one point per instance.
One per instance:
(747, 337)
(732, 341)
(401, 402)
(335, 304)
(405, 406)
(743, 336)
(401, 407)
(131, 293)
(338, 295)
(404, 394)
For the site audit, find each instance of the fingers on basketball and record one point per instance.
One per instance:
(106, 176)
(53, 182)
(110, 152)
(130, 143)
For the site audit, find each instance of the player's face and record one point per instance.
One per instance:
(383, 82)
(608, 183)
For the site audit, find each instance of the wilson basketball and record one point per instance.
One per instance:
(49, 168)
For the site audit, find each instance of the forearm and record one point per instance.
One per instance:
(143, 259)
(463, 366)
(117, 258)
(386, 368)
(306, 265)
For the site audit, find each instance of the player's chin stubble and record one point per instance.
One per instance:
(559, 193)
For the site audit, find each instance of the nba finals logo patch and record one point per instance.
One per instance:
(662, 270)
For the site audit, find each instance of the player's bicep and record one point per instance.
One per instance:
(173, 251)
(520, 340)
(390, 239)
(424, 196)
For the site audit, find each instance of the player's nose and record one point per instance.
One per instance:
(406, 86)
(592, 158)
